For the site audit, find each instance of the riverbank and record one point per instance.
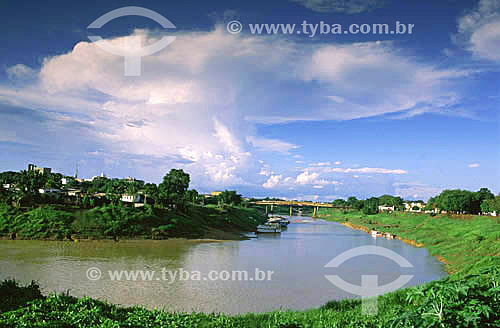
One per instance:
(460, 300)
(465, 244)
(470, 301)
(121, 222)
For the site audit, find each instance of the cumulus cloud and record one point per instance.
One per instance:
(197, 101)
(474, 165)
(342, 6)
(479, 30)
(273, 181)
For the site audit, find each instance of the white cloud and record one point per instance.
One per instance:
(479, 29)
(415, 190)
(20, 71)
(191, 106)
(273, 181)
(271, 145)
(342, 6)
(474, 165)
(377, 170)
(306, 178)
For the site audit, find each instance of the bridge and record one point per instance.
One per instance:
(292, 203)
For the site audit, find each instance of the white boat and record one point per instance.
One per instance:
(375, 233)
(269, 228)
(283, 222)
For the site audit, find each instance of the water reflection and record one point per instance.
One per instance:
(297, 256)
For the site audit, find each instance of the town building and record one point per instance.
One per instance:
(42, 170)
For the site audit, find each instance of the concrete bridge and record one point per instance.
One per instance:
(292, 203)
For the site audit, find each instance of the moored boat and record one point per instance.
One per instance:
(283, 222)
(269, 228)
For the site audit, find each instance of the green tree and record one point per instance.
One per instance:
(27, 185)
(339, 202)
(478, 198)
(193, 196)
(150, 192)
(229, 197)
(354, 203)
(370, 206)
(172, 190)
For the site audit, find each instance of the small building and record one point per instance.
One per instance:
(73, 192)
(50, 192)
(215, 193)
(137, 198)
(415, 207)
(42, 170)
(384, 208)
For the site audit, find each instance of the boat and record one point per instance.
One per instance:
(282, 221)
(388, 235)
(269, 228)
(375, 233)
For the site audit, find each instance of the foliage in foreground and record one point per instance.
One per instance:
(472, 301)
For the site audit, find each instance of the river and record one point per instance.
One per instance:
(297, 259)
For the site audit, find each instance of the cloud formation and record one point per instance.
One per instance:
(198, 102)
(479, 29)
(342, 6)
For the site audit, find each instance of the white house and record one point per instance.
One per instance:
(131, 198)
(384, 208)
(50, 191)
(409, 207)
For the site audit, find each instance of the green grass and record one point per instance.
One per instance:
(467, 244)
(472, 301)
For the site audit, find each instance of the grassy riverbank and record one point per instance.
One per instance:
(106, 222)
(466, 244)
(470, 297)
(471, 301)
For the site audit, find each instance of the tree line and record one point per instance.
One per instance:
(453, 201)
(22, 188)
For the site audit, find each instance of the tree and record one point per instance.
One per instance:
(354, 203)
(54, 181)
(172, 191)
(389, 200)
(370, 206)
(27, 185)
(229, 197)
(478, 198)
(458, 201)
(339, 202)
(150, 192)
(192, 196)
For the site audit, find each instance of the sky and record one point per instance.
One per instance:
(284, 115)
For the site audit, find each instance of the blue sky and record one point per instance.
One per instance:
(271, 115)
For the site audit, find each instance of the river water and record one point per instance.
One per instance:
(297, 259)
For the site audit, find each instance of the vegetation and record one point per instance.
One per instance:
(97, 210)
(465, 243)
(471, 301)
(469, 245)
(454, 201)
